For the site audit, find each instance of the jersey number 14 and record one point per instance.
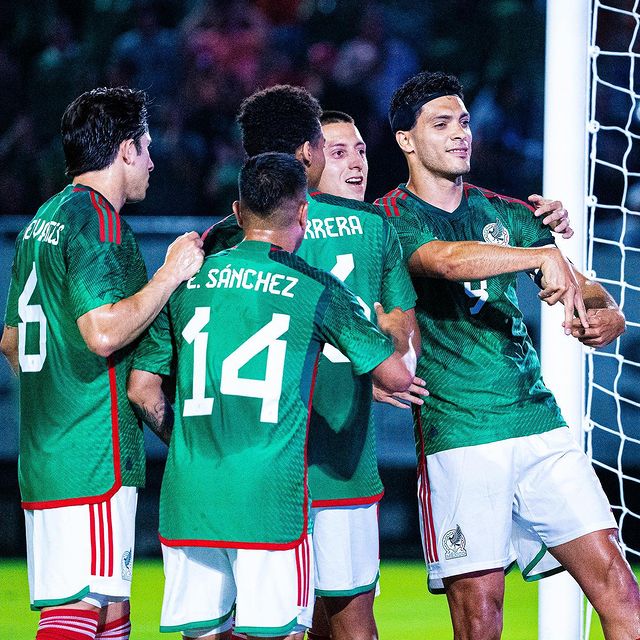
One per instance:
(268, 389)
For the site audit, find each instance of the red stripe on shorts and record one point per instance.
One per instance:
(102, 537)
(298, 569)
(92, 534)
(109, 537)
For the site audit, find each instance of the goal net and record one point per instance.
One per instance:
(613, 256)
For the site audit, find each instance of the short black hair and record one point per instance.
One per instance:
(280, 118)
(335, 117)
(97, 122)
(408, 99)
(268, 180)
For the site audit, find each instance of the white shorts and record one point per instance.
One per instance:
(272, 590)
(346, 548)
(82, 552)
(486, 506)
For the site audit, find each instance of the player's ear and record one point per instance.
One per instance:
(128, 151)
(303, 212)
(303, 154)
(236, 212)
(405, 141)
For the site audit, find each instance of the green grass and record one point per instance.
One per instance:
(404, 610)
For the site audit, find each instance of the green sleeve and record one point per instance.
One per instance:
(344, 325)
(397, 290)
(528, 230)
(222, 235)
(99, 272)
(155, 351)
(11, 317)
(412, 231)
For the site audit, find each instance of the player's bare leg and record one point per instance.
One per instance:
(114, 621)
(320, 629)
(225, 635)
(476, 603)
(351, 618)
(596, 562)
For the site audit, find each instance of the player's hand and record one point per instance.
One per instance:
(184, 257)
(395, 324)
(559, 284)
(555, 215)
(402, 400)
(605, 325)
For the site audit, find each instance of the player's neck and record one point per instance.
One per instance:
(439, 191)
(105, 183)
(280, 237)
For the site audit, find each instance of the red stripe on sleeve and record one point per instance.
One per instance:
(100, 214)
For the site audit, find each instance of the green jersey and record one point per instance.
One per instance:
(79, 439)
(245, 335)
(482, 371)
(351, 240)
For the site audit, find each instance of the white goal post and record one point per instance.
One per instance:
(592, 163)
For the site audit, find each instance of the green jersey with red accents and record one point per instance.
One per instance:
(351, 240)
(481, 369)
(79, 438)
(245, 335)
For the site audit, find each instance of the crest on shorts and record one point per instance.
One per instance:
(496, 233)
(126, 565)
(453, 543)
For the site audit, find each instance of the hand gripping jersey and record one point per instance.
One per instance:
(351, 240)
(246, 334)
(79, 439)
(482, 371)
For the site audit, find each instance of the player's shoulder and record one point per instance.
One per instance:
(296, 263)
(394, 203)
(320, 201)
(88, 213)
(222, 234)
(481, 195)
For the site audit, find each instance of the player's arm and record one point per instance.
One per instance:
(110, 327)
(471, 260)
(9, 347)
(606, 320)
(147, 398)
(556, 217)
(396, 373)
(416, 391)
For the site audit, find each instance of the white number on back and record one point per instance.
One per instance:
(268, 389)
(342, 269)
(31, 362)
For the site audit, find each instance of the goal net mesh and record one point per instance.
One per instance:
(613, 256)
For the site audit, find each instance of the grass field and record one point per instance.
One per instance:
(404, 610)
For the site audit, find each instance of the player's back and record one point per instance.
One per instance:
(72, 402)
(248, 339)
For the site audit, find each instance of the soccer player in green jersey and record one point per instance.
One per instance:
(497, 465)
(353, 241)
(246, 334)
(78, 300)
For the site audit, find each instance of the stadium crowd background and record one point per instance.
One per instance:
(198, 59)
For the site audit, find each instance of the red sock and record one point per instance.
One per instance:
(67, 624)
(115, 630)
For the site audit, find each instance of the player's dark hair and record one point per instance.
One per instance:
(97, 122)
(335, 117)
(408, 99)
(280, 118)
(268, 180)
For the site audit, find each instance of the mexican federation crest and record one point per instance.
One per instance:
(453, 542)
(496, 233)
(126, 565)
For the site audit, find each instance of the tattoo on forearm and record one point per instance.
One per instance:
(159, 418)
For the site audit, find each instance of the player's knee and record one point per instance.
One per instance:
(481, 619)
(618, 590)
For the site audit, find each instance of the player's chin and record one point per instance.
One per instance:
(353, 191)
